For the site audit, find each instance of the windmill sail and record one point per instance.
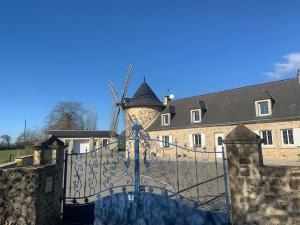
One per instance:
(119, 105)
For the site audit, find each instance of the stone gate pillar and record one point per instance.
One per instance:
(260, 194)
(244, 156)
(49, 161)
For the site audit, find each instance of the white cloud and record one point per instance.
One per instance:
(292, 64)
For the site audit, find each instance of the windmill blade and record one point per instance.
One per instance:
(113, 117)
(116, 121)
(119, 104)
(113, 92)
(124, 120)
(126, 83)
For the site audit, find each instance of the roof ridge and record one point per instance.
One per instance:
(233, 89)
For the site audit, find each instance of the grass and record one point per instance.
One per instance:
(6, 155)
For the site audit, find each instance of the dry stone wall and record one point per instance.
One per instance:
(29, 196)
(32, 195)
(260, 195)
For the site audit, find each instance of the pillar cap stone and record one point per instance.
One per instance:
(52, 142)
(242, 134)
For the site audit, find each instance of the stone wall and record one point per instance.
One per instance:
(275, 152)
(28, 196)
(262, 195)
(26, 160)
(8, 165)
(144, 115)
(32, 195)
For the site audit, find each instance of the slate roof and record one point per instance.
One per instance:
(144, 96)
(49, 141)
(236, 105)
(80, 134)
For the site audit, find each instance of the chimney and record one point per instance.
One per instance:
(167, 99)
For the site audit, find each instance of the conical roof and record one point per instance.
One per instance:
(144, 96)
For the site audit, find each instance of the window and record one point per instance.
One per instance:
(196, 116)
(287, 137)
(267, 137)
(197, 142)
(104, 142)
(220, 141)
(165, 119)
(166, 141)
(263, 108)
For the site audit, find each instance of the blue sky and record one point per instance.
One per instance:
(53, 51)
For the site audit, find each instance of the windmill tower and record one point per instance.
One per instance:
(143, 107)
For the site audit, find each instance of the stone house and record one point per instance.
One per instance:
(80, 141)
(272, 110)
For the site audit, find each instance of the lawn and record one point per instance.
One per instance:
(5, 155)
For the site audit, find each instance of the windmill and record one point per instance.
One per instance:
(119, 104)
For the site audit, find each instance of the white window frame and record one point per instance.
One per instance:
(261, 135)
(163, 141)
(258, 110)
(282, 140)
(163, 122)
(193, 118)
(194, 141)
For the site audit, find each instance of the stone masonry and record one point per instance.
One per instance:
(144, 115)
(260, 195)
(32, 195)
(24, 198)
(275, 152)
(147, 115)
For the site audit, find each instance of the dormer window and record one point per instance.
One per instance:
(165, 119)
(263, 107)
(196, 116)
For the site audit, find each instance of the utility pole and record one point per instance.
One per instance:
(25, 135)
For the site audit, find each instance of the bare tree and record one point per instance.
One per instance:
(66, 116)
(7, 139)
(33, 136)
(91, 120)
(2, 143)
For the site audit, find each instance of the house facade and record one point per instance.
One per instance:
(80, 141)
(272, 110)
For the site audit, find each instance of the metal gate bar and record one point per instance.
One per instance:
(189, 174)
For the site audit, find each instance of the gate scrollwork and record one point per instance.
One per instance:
(187, 174)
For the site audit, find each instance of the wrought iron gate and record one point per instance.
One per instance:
(192, 177)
